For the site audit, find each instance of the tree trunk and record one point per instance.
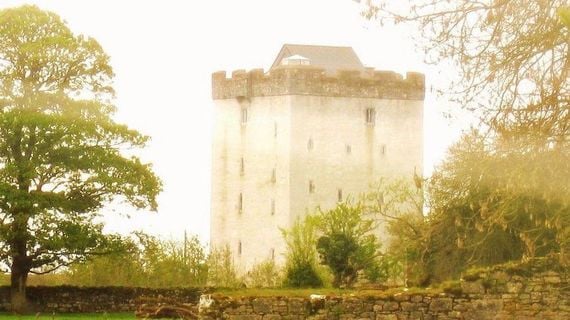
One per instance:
(18, 280)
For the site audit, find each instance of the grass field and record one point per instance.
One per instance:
(82, 316)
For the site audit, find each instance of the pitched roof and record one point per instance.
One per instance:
(328, 57)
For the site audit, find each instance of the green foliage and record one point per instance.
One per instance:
(264, 275)
(493, 202)
(399, 205)
(302, 276)
(221, 269)
(147, 261)
(118, 268)
(60, 149)
(564, 13)
(388, 269)
(507, 60)
(347, 244)
(503, 194)
(301, 267)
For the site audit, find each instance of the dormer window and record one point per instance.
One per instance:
(295, 60)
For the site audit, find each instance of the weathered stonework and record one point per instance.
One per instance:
(309, 80)
(294, 139)
(539, 294)
(542, 292)
(70, 299)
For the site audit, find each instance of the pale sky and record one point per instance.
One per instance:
(163, 53)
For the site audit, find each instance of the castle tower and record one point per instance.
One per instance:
(314, 129)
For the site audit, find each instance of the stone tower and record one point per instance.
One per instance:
(314, 129)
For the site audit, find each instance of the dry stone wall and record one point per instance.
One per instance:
(69, 299)
(517, 293)
(540, 290)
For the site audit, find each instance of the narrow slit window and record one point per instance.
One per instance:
(275, 129)
(310, 144)
(348, 149)
(339, 195)
(311, 186)
(272, 254)
(383, 149)
(370, 116)
(272, 207)
(274, 175)
(242, 166)
(243, 116)
(240, 203)
(239, 248)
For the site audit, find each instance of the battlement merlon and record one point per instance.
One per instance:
(309, 80)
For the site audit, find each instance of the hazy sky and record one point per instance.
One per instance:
(163, 53)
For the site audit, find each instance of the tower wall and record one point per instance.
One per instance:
(263, 143)
(318, 134)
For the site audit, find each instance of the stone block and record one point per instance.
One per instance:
(390, 306)
(262, 306)
(367, 315)
(401, 297)
(298, 306)
(440, 304)
(408, 306)
(514, 287)
(552, 279)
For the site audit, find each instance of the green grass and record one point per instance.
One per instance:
(280, 292)
(70, 316)
(305, 293)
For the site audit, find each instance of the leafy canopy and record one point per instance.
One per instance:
(301, 269)
(511, 58)
(347, 244)
(61, 153)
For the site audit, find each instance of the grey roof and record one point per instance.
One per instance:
(328, 57)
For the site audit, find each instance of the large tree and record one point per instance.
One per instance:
(511, 58)
(512, 61)
(61, 153)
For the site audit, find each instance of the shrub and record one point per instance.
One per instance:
(301, 268)
(264, 275)
(221, 269)
(302, 275)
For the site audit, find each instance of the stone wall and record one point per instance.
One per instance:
(69, 299)
(537, 291)
(308, 80)
(501, 293)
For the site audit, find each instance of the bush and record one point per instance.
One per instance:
(264, 275)
(301, 268)
(221, 269)
(302, 275)
(347, 244)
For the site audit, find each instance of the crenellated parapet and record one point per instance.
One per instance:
(309, 80)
